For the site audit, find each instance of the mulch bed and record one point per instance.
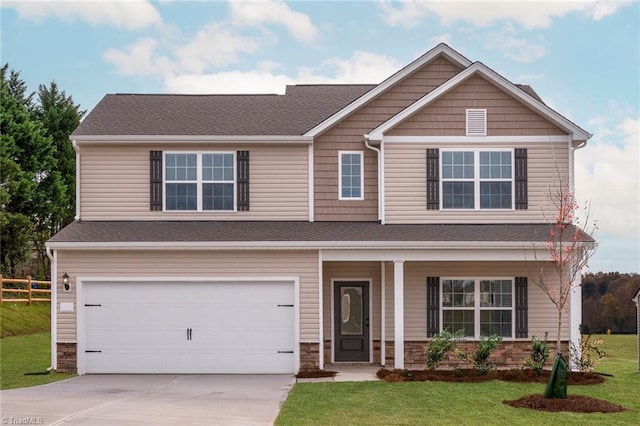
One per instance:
(315, 374)
(525, 375)
(573, 403)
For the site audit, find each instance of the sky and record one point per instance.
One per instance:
(582, 57)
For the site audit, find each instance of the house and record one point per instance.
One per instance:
(334, 223)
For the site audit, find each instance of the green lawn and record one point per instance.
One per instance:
(26, 354)
(17, 319)
(439, 403)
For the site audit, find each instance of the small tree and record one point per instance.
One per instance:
(569, 247)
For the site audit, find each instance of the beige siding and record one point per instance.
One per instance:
(352, 270)
(542, 313)
(505, 115)
(406, 177)
(347, 135)
(302, 264)
(114, 183)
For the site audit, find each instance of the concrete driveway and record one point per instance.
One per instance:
(150, 400)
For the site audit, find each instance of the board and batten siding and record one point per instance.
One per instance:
(114, 183)
(406, 188)
(348, 135)
(445, 116)
(157, 263)
(352, 271)
(542, 314)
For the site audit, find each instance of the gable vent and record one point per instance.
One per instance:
(476, 122)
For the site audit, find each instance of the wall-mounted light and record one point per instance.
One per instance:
(65, 282)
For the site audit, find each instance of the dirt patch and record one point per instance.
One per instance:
(315, 374)
(573, 403)
(468, 375)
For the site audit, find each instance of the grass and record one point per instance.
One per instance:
(25, 346)
(373, 403)
(17, 319)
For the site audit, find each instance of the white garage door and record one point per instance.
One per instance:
(188, 327)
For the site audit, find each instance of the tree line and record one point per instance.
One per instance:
(37, 171)
(607, 303)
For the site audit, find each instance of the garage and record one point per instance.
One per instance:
(173, 326)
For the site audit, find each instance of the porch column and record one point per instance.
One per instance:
(575, 309)
(398, 313)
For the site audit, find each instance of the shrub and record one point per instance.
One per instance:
(438, 347)
(480, 358)
(539, 354)
(589, 354)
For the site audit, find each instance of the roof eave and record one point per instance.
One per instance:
(193, 138)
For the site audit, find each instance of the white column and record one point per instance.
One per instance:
(575, 306)
(383, 313)
(398, 312)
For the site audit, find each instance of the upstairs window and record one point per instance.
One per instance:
(351, 175)
(199, 181)
(477, 179)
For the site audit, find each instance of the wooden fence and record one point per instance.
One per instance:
(24, 290)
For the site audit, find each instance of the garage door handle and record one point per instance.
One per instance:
(189, 332)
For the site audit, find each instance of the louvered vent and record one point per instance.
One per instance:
(476, 122)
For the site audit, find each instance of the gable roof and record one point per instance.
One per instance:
(519, 92)
(441, 49)
(295, 112)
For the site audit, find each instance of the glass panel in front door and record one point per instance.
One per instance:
(351, 311)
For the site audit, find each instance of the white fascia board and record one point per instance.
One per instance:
(295, 139)
(521, 254)
(386, 84)
(510, 140)
(478, 67)
(289, 245)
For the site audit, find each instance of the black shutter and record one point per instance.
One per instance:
(155, 180)
(522, 312)
(433, 179)
(433, 306)
(242, 159)
(521, 179)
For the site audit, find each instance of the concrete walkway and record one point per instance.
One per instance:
(149, 400)
(347, 373)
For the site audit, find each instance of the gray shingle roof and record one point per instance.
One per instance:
(233, 232)
(293, 113)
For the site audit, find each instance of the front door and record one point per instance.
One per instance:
(351, 310)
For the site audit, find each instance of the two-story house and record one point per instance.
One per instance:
(334, 223)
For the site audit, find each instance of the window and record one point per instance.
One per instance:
(200, 181)
(478, 307)
(477, 179)
(351, 175)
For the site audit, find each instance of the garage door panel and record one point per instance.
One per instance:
(151, 327)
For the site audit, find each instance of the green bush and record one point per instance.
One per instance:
(480, 358)
(439, 346)
(539, 354)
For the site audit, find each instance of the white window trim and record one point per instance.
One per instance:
(476, 308)
(476, 113)
(361, 154)
(476, 179)
(199, 182)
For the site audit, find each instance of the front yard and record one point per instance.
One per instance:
(463, 403)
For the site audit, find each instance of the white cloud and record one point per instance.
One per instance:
(513, 47)
(607, 175)
(529, 14)
(139, 58)
(361, 67)
(125, 14)
(255, 13)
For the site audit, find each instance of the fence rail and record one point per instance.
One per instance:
(24, 290)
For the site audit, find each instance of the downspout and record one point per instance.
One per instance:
(53, 258)
(76, 148)
(380, 177)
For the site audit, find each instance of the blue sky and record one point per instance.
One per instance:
(582, 57)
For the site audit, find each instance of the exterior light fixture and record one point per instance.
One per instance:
(65, 282)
